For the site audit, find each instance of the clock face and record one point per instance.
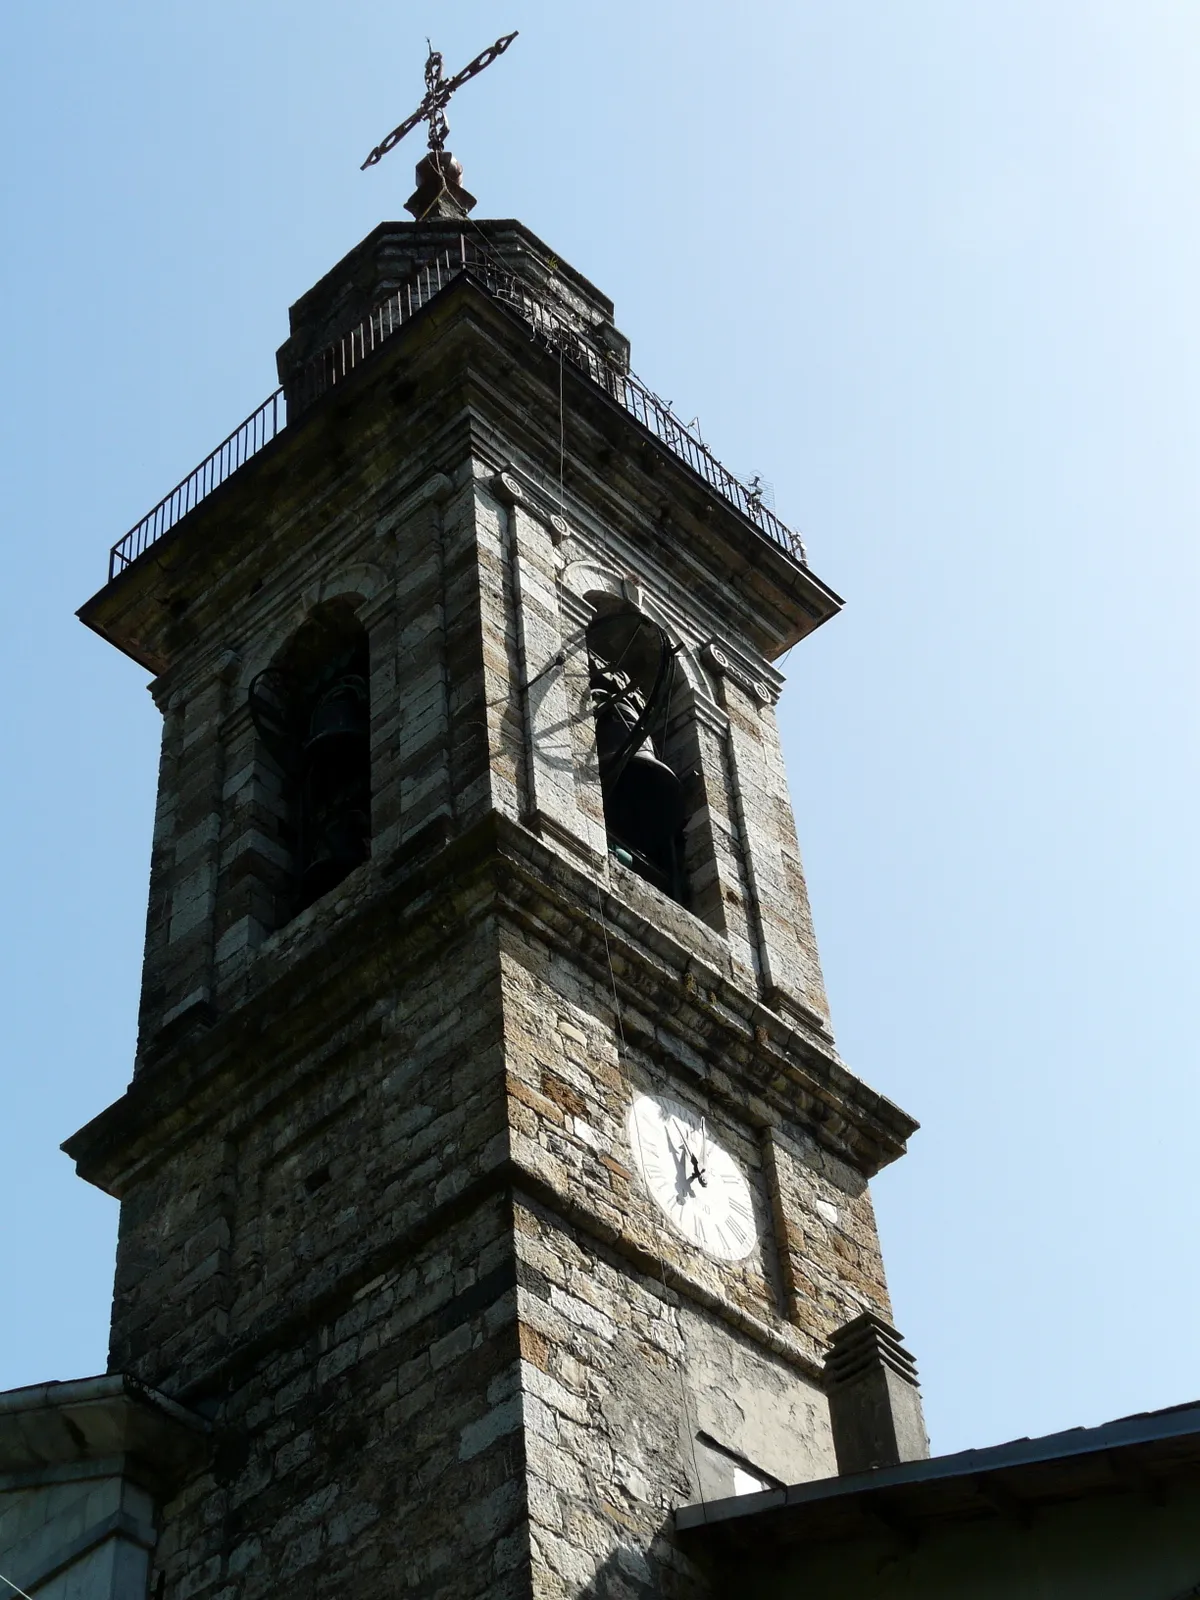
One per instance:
(697, 1184)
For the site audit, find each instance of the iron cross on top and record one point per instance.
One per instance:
(437, 96)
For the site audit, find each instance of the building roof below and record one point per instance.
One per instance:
(1143, 1451)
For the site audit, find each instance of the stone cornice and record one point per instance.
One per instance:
(687, 970)
(750, 677)
(663, 959)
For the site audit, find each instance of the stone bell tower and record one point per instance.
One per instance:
(490, 1182)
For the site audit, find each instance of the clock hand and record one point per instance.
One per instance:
(697, 1168)
(680, 1155)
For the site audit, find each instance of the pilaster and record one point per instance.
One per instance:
(411, 749)
(789, 970)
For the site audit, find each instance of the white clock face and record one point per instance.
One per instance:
(697, 1184)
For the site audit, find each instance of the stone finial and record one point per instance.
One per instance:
(874, 1398)
(439, 191)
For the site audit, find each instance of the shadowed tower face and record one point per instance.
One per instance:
(489, 1178)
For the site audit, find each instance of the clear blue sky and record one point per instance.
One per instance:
(929, 266)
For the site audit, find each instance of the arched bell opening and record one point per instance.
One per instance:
(312, 710)
(632, 671)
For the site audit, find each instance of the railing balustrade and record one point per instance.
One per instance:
(344, 355)
(259, 428)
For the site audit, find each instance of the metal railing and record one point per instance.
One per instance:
(259, 428)
(340, 359)
(687, 444)
(625, 387)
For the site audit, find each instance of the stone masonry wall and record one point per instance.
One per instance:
(72, 1533)
(790, 968)
(648, 1366)
(365, 1111)
(458, 593)
(398, 1374)
(572, 1069)
(376, 1450)
(632, 1398)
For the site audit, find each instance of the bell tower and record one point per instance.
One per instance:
(490, 1182)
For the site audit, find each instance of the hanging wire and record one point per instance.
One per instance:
(14, 1587)
(562, 430)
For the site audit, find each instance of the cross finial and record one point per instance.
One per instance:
(439, 127)
(438, 174)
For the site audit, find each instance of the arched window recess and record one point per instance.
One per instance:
(312, 712)
(632, 669)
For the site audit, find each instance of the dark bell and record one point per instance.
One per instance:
(613, 727)
(646, 806)
(643, 798)
(340, 714)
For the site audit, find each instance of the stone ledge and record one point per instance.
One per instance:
(496, 868)
(799, 1066)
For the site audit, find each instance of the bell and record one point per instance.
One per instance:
(337, 787)
(645, 806)
(614, 724)
(340, 714)
(632, 668)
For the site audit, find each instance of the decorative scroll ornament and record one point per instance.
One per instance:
(728, 668)
(508, 488)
